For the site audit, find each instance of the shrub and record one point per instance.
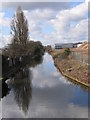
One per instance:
(67, 52)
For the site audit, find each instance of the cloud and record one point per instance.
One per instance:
(37, 22)
(4, 40)
(65, 24)
(69, 24)
(4, 21)
(36, 19)
(87, 1)
(79, 12)
(31, 5)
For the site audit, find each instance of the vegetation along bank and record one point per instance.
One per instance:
(71, 68)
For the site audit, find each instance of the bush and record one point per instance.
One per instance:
(35, 48)
(67, 52)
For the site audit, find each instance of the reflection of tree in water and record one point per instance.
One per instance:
(21, 85)
(36, 61)
(5, 90)
(22, 89)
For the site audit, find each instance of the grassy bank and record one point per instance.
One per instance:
(71, 68)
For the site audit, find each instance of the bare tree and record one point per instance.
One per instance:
(19, 28)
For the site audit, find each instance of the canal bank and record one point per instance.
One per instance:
(71, 68)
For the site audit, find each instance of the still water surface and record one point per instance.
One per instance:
(42, 92)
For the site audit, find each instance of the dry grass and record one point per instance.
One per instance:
(72, 67)
(75, 69)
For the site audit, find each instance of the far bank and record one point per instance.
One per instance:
(70, 67)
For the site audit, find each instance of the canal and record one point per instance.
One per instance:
(40, 91)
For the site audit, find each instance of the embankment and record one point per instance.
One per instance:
(71, 68)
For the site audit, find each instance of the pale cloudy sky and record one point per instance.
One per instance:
(49, 22)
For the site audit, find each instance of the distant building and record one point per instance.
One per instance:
(75, 45)
(66, 45)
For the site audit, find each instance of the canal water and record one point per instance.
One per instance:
(41, 91)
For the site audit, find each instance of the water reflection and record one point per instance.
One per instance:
(5, 89)
(36, 61)
(85, 88)
(21, 85)
(42, 92)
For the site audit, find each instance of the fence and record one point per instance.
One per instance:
(80, 57)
